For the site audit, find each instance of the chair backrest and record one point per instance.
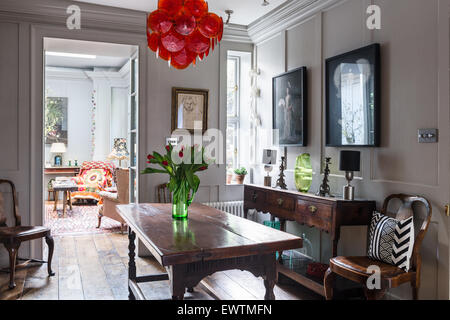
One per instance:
(123, 185)
(407, 210)
(3, 215)
(163, 193)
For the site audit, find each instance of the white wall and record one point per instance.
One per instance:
(79, 113)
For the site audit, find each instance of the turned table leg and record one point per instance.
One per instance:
(131, 261)
(64, 203)
(270, 277)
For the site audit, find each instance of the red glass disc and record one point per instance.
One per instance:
(197, 43)
(159, 21)
(183, 58)
(173, 41)
(185, 23)
(171, 6)
(209, 26)
(198, 8)
(153, 41)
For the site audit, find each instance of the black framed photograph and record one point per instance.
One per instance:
(353, 98)
(289, 107)
(190, 109)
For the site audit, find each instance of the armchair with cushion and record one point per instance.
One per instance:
(94, 176)
(111, 199)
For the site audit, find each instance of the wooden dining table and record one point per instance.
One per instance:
(207, 242)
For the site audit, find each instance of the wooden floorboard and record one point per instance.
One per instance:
(94, 267)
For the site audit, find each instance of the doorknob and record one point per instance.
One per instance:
(447, 210)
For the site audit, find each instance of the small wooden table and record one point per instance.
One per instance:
(208, 242)
(66, 187)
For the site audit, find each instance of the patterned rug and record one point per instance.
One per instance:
(81, 220)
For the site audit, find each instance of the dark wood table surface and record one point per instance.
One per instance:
(209, 241)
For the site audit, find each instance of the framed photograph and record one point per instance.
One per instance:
(353, 98)
(189, 109)
(56, 120)
(290, 107)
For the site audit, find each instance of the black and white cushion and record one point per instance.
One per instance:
(391, 241)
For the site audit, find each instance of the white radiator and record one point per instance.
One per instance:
(233, 207)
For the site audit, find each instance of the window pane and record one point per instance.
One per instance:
(231, 146)
(232, 86)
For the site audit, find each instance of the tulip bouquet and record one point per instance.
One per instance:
(181, 165)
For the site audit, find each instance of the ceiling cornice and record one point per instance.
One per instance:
(92, 16)
(236, 33)
(288, 14)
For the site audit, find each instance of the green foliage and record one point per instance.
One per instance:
(241, 172)
(181, 167)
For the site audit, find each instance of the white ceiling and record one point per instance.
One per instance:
(107, 54)
(245, 11)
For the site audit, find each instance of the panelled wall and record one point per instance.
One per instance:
(413, 97)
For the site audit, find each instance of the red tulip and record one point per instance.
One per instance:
(181, 154)
(168, 148)
(165, 163)
(203, 168)
(150, 157)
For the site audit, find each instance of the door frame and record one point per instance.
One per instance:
(37, 161)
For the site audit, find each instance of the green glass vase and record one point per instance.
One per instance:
(303, 172)
(181, 201)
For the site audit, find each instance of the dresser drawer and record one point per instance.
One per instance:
(277, 200)
(314, 214)
(255, 196)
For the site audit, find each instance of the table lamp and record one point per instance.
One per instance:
(349, 162)
(119, 151)
(58, 149)
(269, 159)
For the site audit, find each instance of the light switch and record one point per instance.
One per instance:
(428, 135)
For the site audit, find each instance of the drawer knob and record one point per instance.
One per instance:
(312, 209)
(280, 201)
(254, 196)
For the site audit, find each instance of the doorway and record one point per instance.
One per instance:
(89, 134)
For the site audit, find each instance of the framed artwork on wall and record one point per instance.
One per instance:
(190, 109)
(55, 126)
(353, 98)
(290, 107)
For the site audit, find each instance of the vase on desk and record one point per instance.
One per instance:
(181, 201)
(303, 172)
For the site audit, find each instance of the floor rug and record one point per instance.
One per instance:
(82, 219)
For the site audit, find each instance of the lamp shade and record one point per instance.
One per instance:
(350, 161)
(58, 148)
(119, 151)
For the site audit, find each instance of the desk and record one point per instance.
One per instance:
(325, 214)
(208, 242)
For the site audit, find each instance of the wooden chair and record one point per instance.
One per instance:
(356, 268)
(163, 193)
(12, 237)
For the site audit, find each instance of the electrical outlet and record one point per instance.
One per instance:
(428, 135)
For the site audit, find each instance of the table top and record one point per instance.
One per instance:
(208, 234)
(64, 186)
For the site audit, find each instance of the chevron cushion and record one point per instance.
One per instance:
(391, 240)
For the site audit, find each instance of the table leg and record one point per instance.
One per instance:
(177, 286)
(270, 277)
(131, 261)
(64, 203)
(55, 207)
(70, 200)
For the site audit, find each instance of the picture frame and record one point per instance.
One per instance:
(189, 106)
(290, 118)
(353, 98)
(56, 120)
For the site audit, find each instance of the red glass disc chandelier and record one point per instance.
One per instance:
(182, 30)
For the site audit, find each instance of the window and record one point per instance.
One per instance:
(233, 99)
